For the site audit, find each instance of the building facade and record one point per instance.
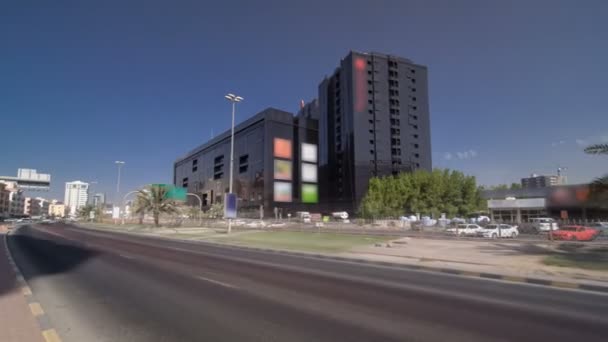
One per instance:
(4, 201)
(16, 199)
(542, 181)
(579, 202)
(275, 165)
(36, 206)
(374, 121)
(76, 195)
(58, 209)
(99, 199)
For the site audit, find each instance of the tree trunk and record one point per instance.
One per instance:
(156, 220)
(141, 219)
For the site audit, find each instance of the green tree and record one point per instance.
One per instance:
(85, 212)
(154, 200)
(436, 192)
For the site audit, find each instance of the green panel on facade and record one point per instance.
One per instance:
(310, 193)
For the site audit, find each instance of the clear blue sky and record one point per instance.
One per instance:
(515, 86)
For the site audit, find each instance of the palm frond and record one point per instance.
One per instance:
(597, 149)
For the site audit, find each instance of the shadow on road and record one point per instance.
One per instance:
(38, 256)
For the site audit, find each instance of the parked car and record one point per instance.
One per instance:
(543, 224)
(465, 229)
(575, 233)
(601, 226)
(494, 231)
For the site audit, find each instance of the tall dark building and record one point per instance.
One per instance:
(373, 121)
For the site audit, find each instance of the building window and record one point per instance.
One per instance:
(413, 80)
(218, 175)
(415, 136)
(185, 182)
(194, 168)
(369, 101)
(244, 159)
(414, 107)
(417, 155)
(370, 111)
(414, 98)
(416, 145)
(243, 168)
(371, 142)
(219, 159)
(371, 151)
(371, 121)
(413, 90)
(415, 126)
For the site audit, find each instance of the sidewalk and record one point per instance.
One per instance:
(17, 321)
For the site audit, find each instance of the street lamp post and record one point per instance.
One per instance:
(118, 163)
(234, 99)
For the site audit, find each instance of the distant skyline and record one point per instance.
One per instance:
(515, 87)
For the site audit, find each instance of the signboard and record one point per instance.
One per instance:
(282, 148)
(92, 215)
(282, 169)
(564, 214)
(173, 192)
(116, 212)
(229, 205)
(310, 193)
(282, 192)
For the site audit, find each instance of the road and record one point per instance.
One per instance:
(102, 286)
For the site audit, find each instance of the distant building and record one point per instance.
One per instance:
(16, 198)
(559, 201)
(37, 206)
(76, 195)
(309, 110)
(374, 121)
(57, 209)
(99, 199)
(542, 181)
(4, 200)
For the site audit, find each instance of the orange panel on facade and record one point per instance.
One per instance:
(282, 148)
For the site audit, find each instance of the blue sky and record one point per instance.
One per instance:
(515, 86)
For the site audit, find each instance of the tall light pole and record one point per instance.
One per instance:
(118, 163)
(234, 99)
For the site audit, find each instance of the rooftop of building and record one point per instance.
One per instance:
(269, 113)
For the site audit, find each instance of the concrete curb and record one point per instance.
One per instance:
(452, 271)
(47, 330)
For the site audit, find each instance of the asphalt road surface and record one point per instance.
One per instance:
(102, 286)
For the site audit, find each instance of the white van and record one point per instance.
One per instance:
(544, 224)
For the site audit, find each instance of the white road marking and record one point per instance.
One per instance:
(127, 256)
(217, 282)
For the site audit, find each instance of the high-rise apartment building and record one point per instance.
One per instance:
(76, 195)
(374, 121)
(16, 198)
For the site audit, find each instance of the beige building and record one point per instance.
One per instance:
(4, 200)
(36, 206)
(16, 198)
(57, 209)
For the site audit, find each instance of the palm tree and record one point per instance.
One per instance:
(154, 199)
(597, 149)
(139, 209)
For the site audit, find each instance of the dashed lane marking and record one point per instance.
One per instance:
(217, 282)
(50, 335)
(36, 309)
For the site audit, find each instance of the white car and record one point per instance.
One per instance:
(494, 231)
(544, 224)
(465, 229)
